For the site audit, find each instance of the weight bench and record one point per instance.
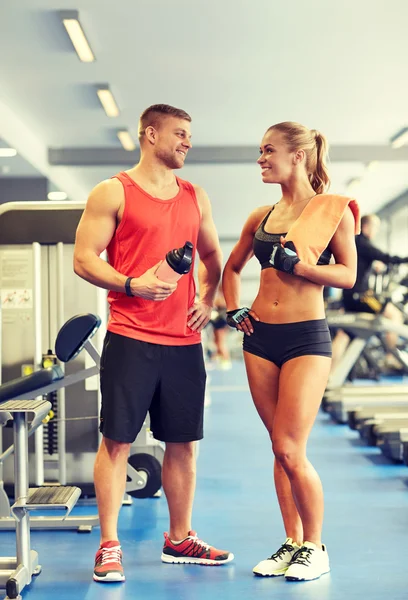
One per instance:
(20, 399)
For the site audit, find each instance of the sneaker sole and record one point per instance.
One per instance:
(304, 578)
(186, 560)
(109, 578)
(277, 574)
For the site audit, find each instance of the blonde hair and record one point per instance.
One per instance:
(299, 137)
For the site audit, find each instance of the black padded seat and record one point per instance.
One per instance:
(74, 334)
(30, 383)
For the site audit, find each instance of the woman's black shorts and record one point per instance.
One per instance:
(281, 342)
(166, 381)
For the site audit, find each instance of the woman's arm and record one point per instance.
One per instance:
(240, 255)
(231, 277)
(343, 246)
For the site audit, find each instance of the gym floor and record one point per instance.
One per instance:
(236, 509)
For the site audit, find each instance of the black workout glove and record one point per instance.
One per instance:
(235, 317)
(284, 259)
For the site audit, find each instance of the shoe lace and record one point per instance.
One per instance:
(282, 550)
(302, 556)
(198, 546)
(110, 555)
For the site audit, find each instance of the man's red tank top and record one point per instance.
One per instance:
(148, 230)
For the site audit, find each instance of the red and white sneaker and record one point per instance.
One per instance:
(108, 563)
(192, 550)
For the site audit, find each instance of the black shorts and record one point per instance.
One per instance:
(166, 381)
(364, 303)
(281, 342)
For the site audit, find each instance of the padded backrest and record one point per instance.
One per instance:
(74, 334)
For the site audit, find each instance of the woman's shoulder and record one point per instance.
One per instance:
(260, 212)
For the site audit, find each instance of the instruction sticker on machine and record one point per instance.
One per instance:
(16, 299)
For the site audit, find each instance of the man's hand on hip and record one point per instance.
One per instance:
(199, 315)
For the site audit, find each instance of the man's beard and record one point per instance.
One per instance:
(169, 159)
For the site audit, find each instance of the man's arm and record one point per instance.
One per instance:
(210, 265)
(95, 230)
(366, 249)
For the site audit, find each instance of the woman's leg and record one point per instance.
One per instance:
(263, 378)
(301, 386)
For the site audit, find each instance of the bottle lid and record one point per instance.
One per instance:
(181, 259)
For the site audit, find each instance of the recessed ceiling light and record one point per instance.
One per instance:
(126, 140)
(70, 19)
(107, 100)
(399, 138)
(373, 165)
(7, 152)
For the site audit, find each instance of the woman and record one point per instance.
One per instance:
(287, 346)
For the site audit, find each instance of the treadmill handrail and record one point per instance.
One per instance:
(376, 323)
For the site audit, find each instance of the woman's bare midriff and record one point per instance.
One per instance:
(284, 298)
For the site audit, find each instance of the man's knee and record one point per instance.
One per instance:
(181, 450)
(114, 449)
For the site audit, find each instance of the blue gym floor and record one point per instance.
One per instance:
(235, 508)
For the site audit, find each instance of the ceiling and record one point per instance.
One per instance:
(236, 66)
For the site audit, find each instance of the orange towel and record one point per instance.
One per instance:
(312, 231)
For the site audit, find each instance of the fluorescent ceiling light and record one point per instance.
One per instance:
(126, 140)
(107, 100)
(57, 196)
(77, 35)
(7, 152)
(372, 165)
(399, 138)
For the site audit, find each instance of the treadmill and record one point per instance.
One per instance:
(341, 397)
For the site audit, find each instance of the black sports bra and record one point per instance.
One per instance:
(264, 242)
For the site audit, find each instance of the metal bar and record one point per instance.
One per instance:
(38, 351)
(92, 351)
(21, 488)
(62, 451)
(349, 358)
(101, 310)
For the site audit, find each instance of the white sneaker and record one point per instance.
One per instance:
(279, 562)
(310, 562)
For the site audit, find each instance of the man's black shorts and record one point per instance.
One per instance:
(166, 381)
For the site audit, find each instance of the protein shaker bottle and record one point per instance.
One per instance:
(177, 263)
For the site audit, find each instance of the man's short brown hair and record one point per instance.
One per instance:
(152, 116)
(368, 219)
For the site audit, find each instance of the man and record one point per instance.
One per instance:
(152, 358)
(360, 298)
